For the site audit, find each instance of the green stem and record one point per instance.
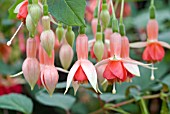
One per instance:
(143, 107)
(98, 11)
(113, 11)
(30, 1)
(116, 4)
(45, 8)
(82, 30)
(121, 13)
(152, 2)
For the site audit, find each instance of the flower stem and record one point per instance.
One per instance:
(152, 2)
(113, 11)
(121, 13)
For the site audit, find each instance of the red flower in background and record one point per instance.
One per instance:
(23, 11)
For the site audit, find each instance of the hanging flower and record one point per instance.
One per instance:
(83, 70)
(154, 51)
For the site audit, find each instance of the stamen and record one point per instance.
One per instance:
(152, 72)
(62, 70)
(15, 75)
(114, 88)
(10, 41)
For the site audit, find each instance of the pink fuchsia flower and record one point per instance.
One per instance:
(31, 67)
(83, 70)
(119, 65)
(154, 51)
(49, 74)
(22, 10)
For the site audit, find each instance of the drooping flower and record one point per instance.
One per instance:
(119, 67)
(83, 71)
(154, 51)
(49, 74)
(31, 67)
(22, 10)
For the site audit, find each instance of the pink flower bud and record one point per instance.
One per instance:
(115, 44)
(66, 55)
(108, 32)
(31, 71)
(82, 46)
(47, 41)
(49, 79)
(31, 67)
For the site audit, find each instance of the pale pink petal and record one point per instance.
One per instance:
(90, 72)
(71, 74)
(105, 61)
(137, 63)
(16, 10)
(75, 86)
(164, 44)
(133, 69)
(138, 44)
(91, 42)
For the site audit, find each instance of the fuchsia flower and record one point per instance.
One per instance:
(83, 70)
(119, 67)
(31, 67)
(154, 51)
(22, 10)
(49, 74)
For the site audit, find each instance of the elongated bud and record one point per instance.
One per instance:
(115, 44)
(31, 48)
(125, 47)
(46, 22)
(66, 55)
(70, 36)
(35, 13)
(99, 46)
(82, 46)
(31, 71)
(49, 79)
(47, 41)
(30, 25)
(105, 16)
(152, 29)
(60, 32)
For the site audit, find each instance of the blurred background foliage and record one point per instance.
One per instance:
(155, 93)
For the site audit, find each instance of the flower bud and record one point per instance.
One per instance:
(31, 48)
(108, 32)
(99, 46)
(46, 22)
(66, 55)
(31, 71)
(49, 79)
(35, 13)
(105, 16)
(94, 26)
(70, 36)
(60, 32)
(30, 25)
(47, 41)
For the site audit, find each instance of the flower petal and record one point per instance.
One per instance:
(105, 61)
(138, 44)
(16, 10)
(75, 86)
(91, 42)
(133, 69)
(90, 72)
(138, 63)
(71, 74)
(164, 44)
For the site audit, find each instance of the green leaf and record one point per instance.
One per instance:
(12, 15)
(16, 102)
(57, 100)
(69, 12)
(10, 69)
